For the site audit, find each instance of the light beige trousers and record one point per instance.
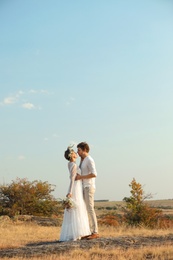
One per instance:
(89, 201)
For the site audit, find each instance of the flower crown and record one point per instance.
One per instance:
(69, 148)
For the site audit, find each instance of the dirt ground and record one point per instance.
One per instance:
(56, 247)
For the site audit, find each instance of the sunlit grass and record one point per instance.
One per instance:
(161, 253)
(19, 234)
(15, 235)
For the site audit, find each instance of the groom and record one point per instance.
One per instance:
(88, 175)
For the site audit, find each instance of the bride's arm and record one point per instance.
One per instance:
(73, 171)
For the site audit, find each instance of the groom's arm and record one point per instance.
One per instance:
(83, 177)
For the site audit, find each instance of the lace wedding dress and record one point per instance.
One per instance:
(75, 221)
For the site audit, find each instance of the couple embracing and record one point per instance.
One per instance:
(80, 222)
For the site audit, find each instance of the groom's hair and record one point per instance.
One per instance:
(84, 146)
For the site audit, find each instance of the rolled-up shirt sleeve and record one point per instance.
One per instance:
(91, 166)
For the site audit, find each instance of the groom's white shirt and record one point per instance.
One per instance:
(87, 167)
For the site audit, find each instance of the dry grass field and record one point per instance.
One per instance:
(165, 205)
(19, 234)
(161, 253)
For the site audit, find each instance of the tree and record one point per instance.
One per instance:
(23, 197)
(137, 211)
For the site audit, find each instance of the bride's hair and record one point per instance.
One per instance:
(68, 153)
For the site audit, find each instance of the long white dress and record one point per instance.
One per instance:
(75, 221)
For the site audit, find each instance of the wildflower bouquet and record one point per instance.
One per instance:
(68, 203)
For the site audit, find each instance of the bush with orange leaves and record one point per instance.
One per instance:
(139, 213)
(114, 220)
(165, 222)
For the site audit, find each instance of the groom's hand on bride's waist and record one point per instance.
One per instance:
(78, 177)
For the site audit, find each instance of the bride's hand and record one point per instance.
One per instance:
(69, 195)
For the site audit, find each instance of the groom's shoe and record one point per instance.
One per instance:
(93, 236)
(85, 237)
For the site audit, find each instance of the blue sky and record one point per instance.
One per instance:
(95, 71)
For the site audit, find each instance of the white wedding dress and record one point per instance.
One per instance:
(75, 221)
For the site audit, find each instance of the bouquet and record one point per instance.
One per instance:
(68, 203)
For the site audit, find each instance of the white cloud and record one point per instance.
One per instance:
(22, 97)
(46, 139)
(28, 106)
(12, 98)
(9, 100)
(21, 157)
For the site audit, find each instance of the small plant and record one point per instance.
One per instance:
(137, 212)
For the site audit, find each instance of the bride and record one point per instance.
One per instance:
(75, 221)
